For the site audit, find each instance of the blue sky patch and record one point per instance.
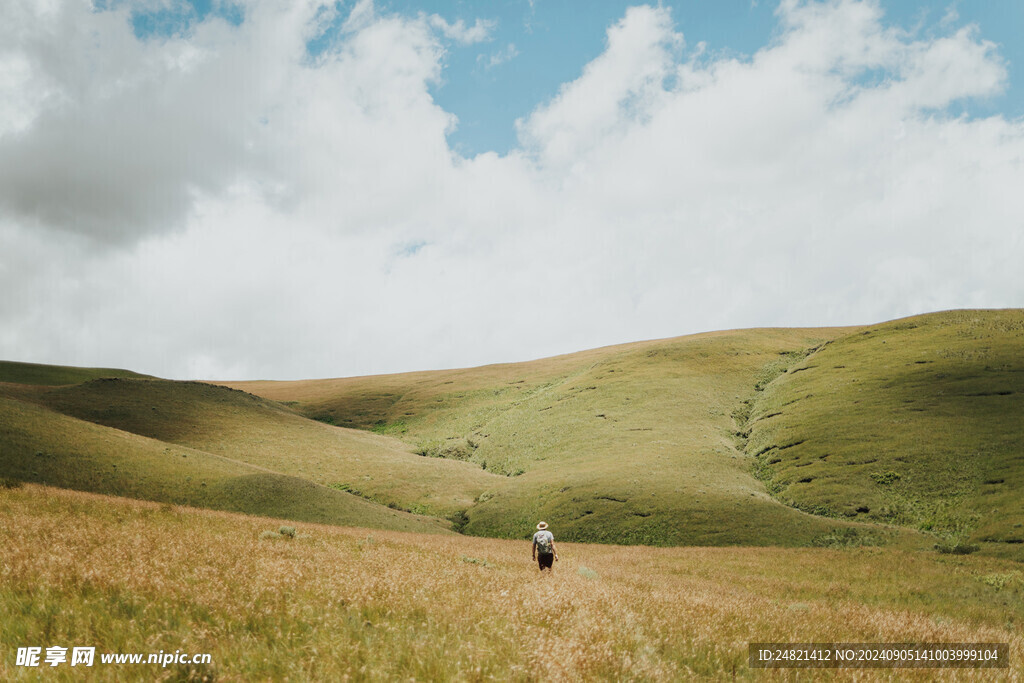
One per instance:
(178, 18)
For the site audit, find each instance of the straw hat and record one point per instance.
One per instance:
(542, 526)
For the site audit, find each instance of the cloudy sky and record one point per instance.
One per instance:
(282, 189)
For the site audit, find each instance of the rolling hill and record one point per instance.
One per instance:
(41, 445)
(626, 444)
(767, 436)
(902, 433)
(197, 444)
(52, 375)
(268, 435)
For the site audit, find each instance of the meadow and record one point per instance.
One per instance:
(339, 603)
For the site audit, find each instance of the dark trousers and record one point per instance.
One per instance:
(545, 560)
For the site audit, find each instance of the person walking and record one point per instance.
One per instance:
(544, 547)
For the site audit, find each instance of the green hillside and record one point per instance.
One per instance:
(917, 422)
(253, 430)
(42, 446)
(52, 375)
(627, 444)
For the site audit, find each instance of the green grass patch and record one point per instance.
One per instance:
(390, 428)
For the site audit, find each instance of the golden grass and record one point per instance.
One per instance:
(369, 605)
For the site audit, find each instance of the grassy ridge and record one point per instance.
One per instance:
(262, 433)
(628, 444)
(129, 576)
(41, 445)
(52, 375)
(916, 422)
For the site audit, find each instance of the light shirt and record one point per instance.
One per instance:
(544, 541)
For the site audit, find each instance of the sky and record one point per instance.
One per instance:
(281, 190)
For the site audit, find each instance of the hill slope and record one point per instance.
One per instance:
(209, 446)
(53, 375)
(40, 445)
(918, 422)
(627, 444)
(253, 430)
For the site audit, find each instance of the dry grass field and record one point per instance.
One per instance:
(339, 603)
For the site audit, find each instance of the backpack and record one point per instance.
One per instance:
(543, 542)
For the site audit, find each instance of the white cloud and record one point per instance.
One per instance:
(614, 89)
(222, 205)
(951, 16)
(362, 15)
(506, 54)
(462, 34)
